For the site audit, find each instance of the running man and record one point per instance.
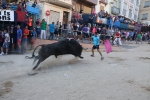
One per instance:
(96, 41)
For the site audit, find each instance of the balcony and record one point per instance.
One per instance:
(104, 1)
(115, 10)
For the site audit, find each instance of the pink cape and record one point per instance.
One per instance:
(107, 46)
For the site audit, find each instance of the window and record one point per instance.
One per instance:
(135, 17)
(130, 13)
(132, 1)
(144, 16)
(136, 12)
(147, 4)
(137, 3)
(124, 12)
(115, 3)
(125, 6)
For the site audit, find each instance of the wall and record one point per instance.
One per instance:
(66, 1)
(144, 11)
(54, 8)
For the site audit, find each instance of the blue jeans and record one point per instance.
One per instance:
(51, 36)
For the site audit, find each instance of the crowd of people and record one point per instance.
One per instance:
(21, 6)
(17, 40)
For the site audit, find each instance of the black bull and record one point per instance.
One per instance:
(59, 48)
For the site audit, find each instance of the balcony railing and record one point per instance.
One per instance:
(115, 10)
(104, 1)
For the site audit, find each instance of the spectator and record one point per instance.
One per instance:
(8, 7)
(19, 37)
(52, 31)
(30, 23)
(25, 39)
(1, 6)
(23, 4)
(79, 33)
(4, 4)
(108, 34)
(34, 4)
(57, 30)
(6, 42)
(75, 31)
(1, 39)
(69, 27)
(14, 6)
(12, 38)
(38, 29)
(139, 38)
(34, 36)
(60, 29)
(85, 31)
(43, 29)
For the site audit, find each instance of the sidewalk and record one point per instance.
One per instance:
(88, 46)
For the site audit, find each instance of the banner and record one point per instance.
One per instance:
(101, 20)
(6, 15)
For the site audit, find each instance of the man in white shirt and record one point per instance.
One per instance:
(6, 42)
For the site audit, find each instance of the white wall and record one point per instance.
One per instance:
(54, 8)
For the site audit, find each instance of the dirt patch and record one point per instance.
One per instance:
(148, 89)
(129, 81)
(117, 58)
(5, 63)
(5, 88)
(145, 58)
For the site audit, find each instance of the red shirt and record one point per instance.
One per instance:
(118, 34)
(25, 33)
(21, 15)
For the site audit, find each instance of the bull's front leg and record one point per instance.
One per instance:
(56, 56)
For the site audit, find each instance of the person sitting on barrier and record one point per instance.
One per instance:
(118, 39)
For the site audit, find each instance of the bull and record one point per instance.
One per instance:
(62, 47)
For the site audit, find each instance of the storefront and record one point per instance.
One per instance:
(57, 13)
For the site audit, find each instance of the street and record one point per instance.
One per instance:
(122, 75)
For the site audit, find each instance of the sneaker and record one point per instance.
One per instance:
(92, 55)
(102, 58)
(2, 53)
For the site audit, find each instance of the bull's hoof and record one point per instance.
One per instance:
(81, 57)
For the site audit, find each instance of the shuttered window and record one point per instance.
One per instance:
(77, 7)
(87, 10)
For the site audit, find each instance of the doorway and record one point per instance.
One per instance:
(65, 17)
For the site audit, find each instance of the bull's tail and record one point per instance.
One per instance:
(27, 57)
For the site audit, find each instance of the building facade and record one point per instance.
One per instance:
(129, 9)
(60, 10)
(144, 13)
(102, 5)
(86, 5)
